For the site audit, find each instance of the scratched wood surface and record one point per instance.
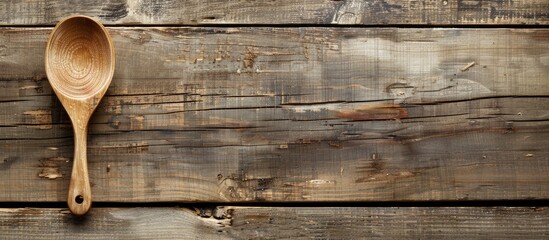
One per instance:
(279, 223)
(376, 12)
(289, 114)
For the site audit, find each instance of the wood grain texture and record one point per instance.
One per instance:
(279, 114)
(376, 12)
(279, 223)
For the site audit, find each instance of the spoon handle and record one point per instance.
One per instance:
(79, 199)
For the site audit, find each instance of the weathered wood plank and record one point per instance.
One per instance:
(377, 12)
(278, 114)
(279, 223)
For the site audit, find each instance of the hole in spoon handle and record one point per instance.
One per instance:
(79, 198)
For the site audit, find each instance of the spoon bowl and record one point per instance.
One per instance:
(79, 63)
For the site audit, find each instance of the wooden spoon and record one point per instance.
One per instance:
(79, 66)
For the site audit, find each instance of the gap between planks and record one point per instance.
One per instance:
(372, 26)
(367, 204)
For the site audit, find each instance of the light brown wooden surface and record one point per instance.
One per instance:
(279, 223)
(289, 114)
(376, 12)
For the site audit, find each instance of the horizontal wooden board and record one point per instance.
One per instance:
(278, 223)
(278, 114)
(354, 12)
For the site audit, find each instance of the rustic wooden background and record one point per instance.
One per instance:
(287, 119)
